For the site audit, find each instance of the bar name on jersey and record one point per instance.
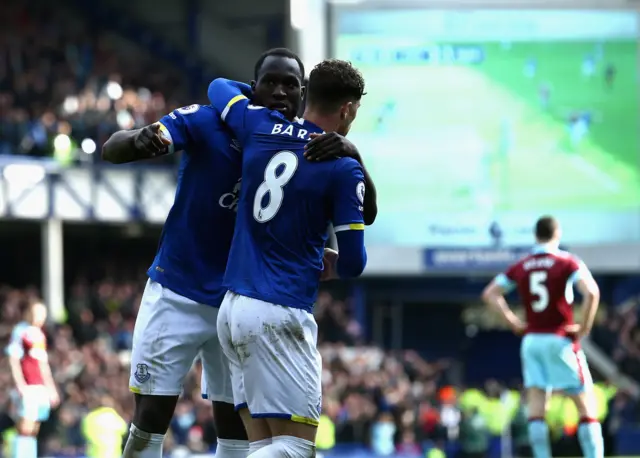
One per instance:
(280, 129)
(545, 262)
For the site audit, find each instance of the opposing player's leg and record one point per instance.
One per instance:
(217, 384)
(33, 408)
(26, 442)
(535, 381)
(571, 374)
(281, 367)
(168, 334)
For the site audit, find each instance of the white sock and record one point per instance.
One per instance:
(257, 445)
(25, 447)
(141, 444)
(286, 447)
(231, 448)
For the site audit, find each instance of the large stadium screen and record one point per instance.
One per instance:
(477, 122)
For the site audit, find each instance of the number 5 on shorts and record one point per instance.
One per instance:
(286, 163)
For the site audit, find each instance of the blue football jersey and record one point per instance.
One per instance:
(286, 203)
(195, 242)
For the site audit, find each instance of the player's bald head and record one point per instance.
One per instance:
(547, 229)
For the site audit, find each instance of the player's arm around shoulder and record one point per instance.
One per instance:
(331, 145)
(231, 100)
(347, 193)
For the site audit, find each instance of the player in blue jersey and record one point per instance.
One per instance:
(177, 318)
(266, 326)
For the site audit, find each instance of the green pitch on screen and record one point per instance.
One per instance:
(458, 136)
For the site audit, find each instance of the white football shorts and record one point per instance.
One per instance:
(275, 365)
(34, 404)
(170, 332)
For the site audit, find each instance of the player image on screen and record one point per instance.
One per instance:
(35, 391)
(286, 203)
(177, 318)
(525, 99)
(551, 356)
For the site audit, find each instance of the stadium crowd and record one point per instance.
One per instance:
(89, 355)
(60, 75)
(391, 401)
(619, 336)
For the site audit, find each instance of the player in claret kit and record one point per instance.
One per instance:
(266, 326)
(177, 317)
(36, 392)
(551, 356)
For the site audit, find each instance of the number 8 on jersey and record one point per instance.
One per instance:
(277, 174)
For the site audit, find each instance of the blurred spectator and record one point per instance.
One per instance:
(474, 435)
(383, 434)
(326, 437)
(520, 433)
(104, 430)
(66, 85)
(408, 445)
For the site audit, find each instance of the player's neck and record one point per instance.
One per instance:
(326, 123)
(549, 246)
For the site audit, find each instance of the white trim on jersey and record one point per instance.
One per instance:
(349, 227)
(231, 102)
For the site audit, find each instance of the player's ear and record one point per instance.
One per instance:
(303, 91)
(345, 111)
(253, 85)
(353, 109)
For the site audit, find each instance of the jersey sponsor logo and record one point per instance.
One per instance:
(230, 200)
(142, 374)
(188, 109)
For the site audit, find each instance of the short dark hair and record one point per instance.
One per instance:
(279, 52)
(333, 82)
(546, 227)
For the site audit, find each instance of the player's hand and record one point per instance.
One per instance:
(574, 331)
(329, 260)
(519, 328)
(328, 146)
(150, 141)
(54, 398)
